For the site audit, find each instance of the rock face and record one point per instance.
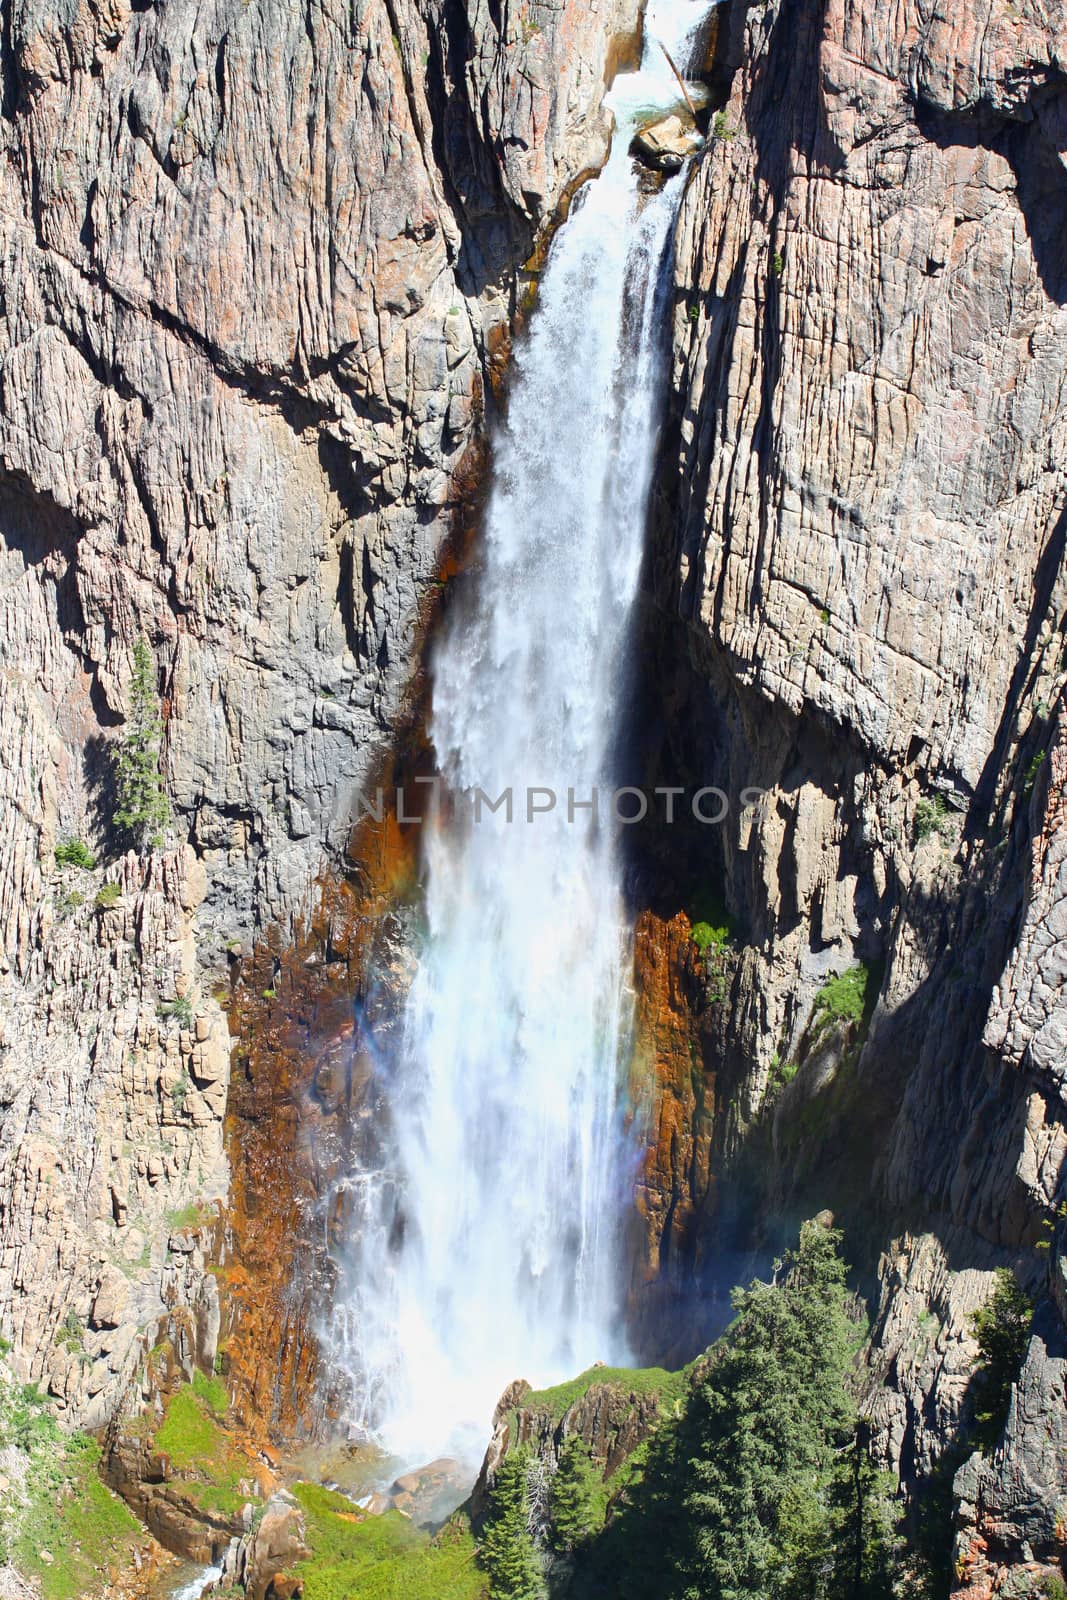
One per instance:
(860, 542)
(253, 266)
(113, 1077)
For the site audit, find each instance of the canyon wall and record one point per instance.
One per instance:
(257, 264)
(858, 575)
(259, 268)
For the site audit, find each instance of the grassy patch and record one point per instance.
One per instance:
(83, 1530)
(356, 1557)
(215, 1476)
(179, 1011)
(670, 1386)
(191, 1216)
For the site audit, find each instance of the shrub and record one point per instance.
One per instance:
(109, 894)
(777, 263)
(931, 817)
(71, 1334)
(142, 811)
(842, 999)
(706, 937)
(1033, 767)
(179, 1010)
(75, 853)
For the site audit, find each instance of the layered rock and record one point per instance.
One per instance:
(860, 542)
(254, 264)
(113, 1079)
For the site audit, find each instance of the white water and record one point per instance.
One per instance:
(194, 1588)
(488, 1243)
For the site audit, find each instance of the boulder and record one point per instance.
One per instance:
(667, 143)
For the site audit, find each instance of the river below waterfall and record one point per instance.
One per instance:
(489, 1237)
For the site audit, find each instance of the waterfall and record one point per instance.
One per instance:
(488, 1241)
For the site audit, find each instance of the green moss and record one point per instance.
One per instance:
(705, 937)
(75, 1519)
(358, 1557)
(211, 1472)
(670, 1386)
(188, 1434)
(190, 1216)
(213, 1391)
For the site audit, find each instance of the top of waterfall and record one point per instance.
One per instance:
(671, 28)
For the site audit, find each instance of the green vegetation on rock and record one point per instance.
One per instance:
(843, 999)
(360, 1557)
(931, 817)
(62, 1529)
(142, 811)
(74, 853)
(704, 936)
(1002, 1328)
(557, 1401)
(214, 1475)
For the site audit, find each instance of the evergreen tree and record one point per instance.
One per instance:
(507, 1550)
(867, 1546)
(578, 1500)
(1002, 1328)
(767, 1421)
(142, 810)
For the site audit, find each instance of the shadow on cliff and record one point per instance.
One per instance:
(1029, 147)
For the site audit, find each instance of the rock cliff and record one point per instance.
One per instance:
(256, 265)
(858, 567)
(259, 268)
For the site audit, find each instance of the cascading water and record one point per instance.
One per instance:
(488, 1241)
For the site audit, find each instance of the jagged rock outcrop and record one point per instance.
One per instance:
(1013, 1506)
(860, 538)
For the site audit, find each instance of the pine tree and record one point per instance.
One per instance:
(142, 810)
(1002, 1328)
(578, 1497)
(507, 1549)
(766, 1423)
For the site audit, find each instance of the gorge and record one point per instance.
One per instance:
(418, 422)
(517, 1021)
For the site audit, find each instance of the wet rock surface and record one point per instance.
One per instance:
(666, 145)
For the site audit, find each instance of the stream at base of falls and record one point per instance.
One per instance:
(486, 1244)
